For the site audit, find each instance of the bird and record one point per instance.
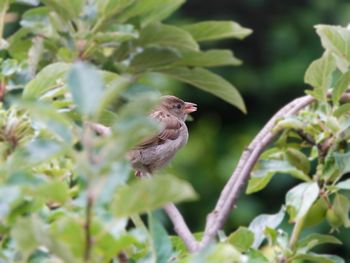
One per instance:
(155, 152)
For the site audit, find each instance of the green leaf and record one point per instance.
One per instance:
(37, 19)
(256, 256)
(340, 86)
(47, 79)
(258, 225)
(70, 232)
(300, 199)
(46, 117)
(319, 75)
(265, 170)
(341, 208)
(67, 9)
(160, 35)
(86, 86)
(336, 39)
(343, 109)
(345, 185)
(8, 67)
(161, 240)
(150, 10)
(53, 191)
(115, 85)
(24, 235)
(316, 213)
(256, 184)
(242, 239)
(298, 159)
(320, 258)
(209, 82)
(211, 58)
(219, 253)
(40, 150)
(110, 238)
(116, 34)
(342, 161)
(152, 59)
(290, 122)
(216, 30)
(20, 44)
(31, 232)
(160, 12)
(122, 169)
(8, 196)
(133, 125)
(315, 239)
(149, 194)
(109, 8)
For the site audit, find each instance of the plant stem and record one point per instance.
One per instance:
(3, 11)
(180, 227)
(136, 219)
(87, 227)
(296, 232)
(90, 45)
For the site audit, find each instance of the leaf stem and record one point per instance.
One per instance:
(90, 45)
(299, 224)
(136, 219)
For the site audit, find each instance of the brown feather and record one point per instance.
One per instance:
(170, 129)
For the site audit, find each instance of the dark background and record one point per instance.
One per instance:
(276, 55)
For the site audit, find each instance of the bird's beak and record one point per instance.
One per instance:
(190, 107)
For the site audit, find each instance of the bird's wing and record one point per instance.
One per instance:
(170, 129)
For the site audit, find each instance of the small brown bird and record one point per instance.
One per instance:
(157, 151)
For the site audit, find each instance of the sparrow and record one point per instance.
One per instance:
(157, 151)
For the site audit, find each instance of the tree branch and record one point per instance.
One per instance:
(218, 216)
(229, 195)
(181, 228)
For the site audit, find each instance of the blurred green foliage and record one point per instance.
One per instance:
(66, 194)
(275, 59)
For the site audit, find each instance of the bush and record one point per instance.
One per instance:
(74, 71)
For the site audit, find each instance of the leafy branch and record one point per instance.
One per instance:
(217, 218)
(65, 190)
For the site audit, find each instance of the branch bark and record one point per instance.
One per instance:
(229, 195)
(181, 228)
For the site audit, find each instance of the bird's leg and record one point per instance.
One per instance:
(138, 173)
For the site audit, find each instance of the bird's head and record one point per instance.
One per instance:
(177, 107)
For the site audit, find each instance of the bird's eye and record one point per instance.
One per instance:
(178, 106)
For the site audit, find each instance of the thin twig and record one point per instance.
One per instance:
(181, 228)
(34, 55)
(87, 228)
